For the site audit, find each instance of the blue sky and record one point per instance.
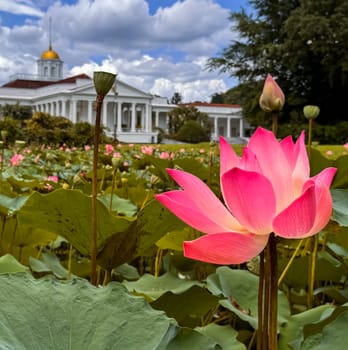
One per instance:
(159, 46)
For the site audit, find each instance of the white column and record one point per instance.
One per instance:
(105, 114)
(216, 131)
(241, 127)
(73, 111)
(119, 116)
(63, 108)
(133, 118)
(228, 127)
(89, 116)
(148, 118)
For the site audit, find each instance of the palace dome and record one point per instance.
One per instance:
(50, 54)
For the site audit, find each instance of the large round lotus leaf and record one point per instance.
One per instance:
(47, 314)
(226, 336)
(153, 287)
(240, 288)
(68, 213)
(291, 333)
(9, 264)
(340, 206)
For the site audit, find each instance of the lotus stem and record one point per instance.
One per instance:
(70, 260)
(275, 123)
(260, 301)
(114, 174)
(311, 270)
(310, 131)
(288, 265)
(99, 103)
(273, 321)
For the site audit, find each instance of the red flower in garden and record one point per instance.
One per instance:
(268, 189)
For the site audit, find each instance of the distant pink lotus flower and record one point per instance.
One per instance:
(16, 159)
(53, 178)
(108, 149)
(346, 146)
(164, 155)
(87, 148)
(329, 153)
(267, 190)
(147, 150)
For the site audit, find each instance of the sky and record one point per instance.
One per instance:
(158, 46)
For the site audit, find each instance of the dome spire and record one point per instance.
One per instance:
(50, 34)
(50, 54)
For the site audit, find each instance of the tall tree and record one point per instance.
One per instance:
(303, 44)
(176, 98)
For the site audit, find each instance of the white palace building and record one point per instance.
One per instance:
(128, 113)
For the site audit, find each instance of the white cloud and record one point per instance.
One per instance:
(20, 7)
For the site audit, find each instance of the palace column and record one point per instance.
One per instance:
(89, 112)
(148, 118)
(73, 116)
(119, 116)
(133, 117)
(63, 108)
(105, 114)
(241, 127)
(216, 131)
(228, 127)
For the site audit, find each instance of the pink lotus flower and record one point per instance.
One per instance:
(346, 146)
(87, 148)
(164, 155)
(147, 150)
(108, 149)
(53, 178)
(272, 97)
(16, 159)
(267, 190)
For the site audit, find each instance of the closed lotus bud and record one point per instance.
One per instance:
(116, 162)
(311, 112)
(272, 98)
(103, 82)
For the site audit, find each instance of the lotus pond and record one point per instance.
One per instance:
(148, 295)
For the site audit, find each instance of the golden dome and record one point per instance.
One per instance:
(50, 55)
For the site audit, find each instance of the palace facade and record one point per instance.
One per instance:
(128, 113)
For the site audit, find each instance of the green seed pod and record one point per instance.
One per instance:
(311, 112)
(103, 82)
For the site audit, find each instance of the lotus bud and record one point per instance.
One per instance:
(103, 82)
(116, 162)
(311, 112)
(272, 98)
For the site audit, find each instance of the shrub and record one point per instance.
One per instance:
(192, 132)
(12, 127)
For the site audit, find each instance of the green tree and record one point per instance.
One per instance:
(176, 98)
(217, 98)
(16, 111)
(180, 115)
(303, 44)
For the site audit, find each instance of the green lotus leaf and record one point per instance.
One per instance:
(48, 314)
(240, 289)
